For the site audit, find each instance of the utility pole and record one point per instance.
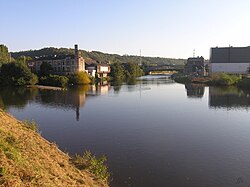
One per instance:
(193, 52)
(140, 59)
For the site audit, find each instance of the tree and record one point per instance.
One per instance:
(79, 78)
(23, 59)
(4, 54)
(45, 69)
(118, 71)
(16, 74)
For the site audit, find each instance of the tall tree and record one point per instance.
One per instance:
(4, 54)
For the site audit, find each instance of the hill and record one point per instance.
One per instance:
(99, 56)
(27, 159)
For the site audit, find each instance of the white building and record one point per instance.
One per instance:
(234, 60)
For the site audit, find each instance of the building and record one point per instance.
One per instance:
(61, 64)
(195, 66)
(235, 60)
(101, 70)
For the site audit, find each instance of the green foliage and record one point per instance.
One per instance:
(31, 125)
(54, 80)
(118, 71)
(127, 71)
(4, 54)
(79, 78)
(102, 57)
(132, 70)
(182, 79)
(8, 146)
(16, 74)
(45, 69)
(223, 79)
(94, 165)
(23, 59)
(3, 171)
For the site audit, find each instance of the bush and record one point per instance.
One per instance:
(223, 79)
(94, 165)
(79, 78)
(54, 80)
(16, 74)
(31, 125)
(182, 79)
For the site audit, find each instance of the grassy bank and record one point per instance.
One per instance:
(27, 159)
(218, 79)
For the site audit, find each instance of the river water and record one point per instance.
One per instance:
(154, 132)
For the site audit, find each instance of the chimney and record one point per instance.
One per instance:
(76, 51)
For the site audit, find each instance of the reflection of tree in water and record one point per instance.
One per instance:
(229, 97)
(73, 98)
(16, 97)
(117, 86)
(195, 90)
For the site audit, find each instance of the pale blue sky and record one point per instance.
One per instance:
(158, 27)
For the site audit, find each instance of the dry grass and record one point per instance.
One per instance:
(27, 159)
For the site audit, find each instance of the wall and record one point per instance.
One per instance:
(240, 68)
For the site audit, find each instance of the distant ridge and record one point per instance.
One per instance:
(99, 56)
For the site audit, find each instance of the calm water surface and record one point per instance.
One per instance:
(155, 133)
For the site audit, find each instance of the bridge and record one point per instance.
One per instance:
(163, 69)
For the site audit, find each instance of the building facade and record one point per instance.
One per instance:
(234, 60)
(101, 70)
(61, 64)
(195, 66)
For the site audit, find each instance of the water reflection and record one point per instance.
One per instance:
(195, 90)
(229, 98)
(73, 98)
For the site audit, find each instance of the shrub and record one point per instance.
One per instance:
(182, 79)
(223, 79)
(200, 80)
(94, 165)
(54, 80)
(79, 78)
(31, 125)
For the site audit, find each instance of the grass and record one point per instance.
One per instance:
(26, 159)
(224, 79)
(93, 164)
(30, 125)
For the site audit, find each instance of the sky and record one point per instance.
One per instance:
(160, 28)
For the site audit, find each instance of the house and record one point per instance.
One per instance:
(234, 60)
(61, 64)
(95, 68)
(195, 66)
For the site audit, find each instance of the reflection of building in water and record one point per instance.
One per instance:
(229, 98)
(99, 89)
(195, 90)
(72, 99)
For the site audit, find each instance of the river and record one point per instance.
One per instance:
(154, 132)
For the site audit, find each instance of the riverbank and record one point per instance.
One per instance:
(219, 79)
(27, 159)
(45, 87)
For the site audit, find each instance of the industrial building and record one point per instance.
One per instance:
(234, 60)
(61, 64)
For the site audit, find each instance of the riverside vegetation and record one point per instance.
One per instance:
(15, 72)
(217, 79)
(26, 159)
